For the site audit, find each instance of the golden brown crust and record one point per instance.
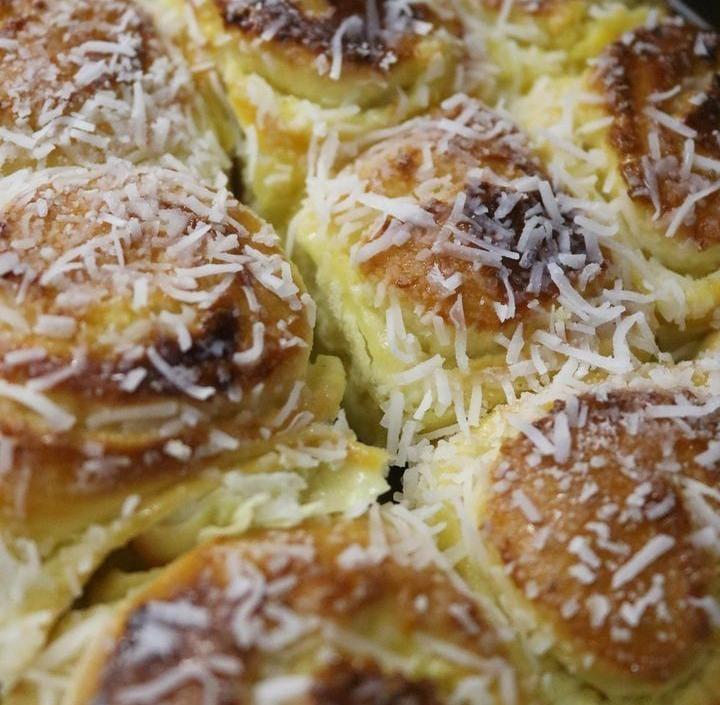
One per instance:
(122, 249)
(84, 79)
(487, 168)
(671, 68)
(603, 542)
(145, 315)
(244, 604)
(303, 26)
(88, 291)
(47, 45)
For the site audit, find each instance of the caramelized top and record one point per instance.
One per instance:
(663, 91)
(86, 78)
(600, 515)
(142, 315)
(365, 684)
(377, 34)
(147, 275)
(485, 226)
(325, 610)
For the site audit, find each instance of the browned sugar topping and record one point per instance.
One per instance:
(347, 683)
(377, 33)
(150, 322)
(227, 618)
(602, 518)
(663, 91)
(82, 79)
(117, 270)
(496, 238)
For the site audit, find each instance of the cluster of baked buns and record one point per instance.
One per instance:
(255, 253)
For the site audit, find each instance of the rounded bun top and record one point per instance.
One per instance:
(323, 608)
(472, 216)
(148, 283)
(149, 322)
(82, 80)
(662, 90)
(603, 511)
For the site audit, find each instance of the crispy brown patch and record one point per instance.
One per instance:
(97, 460)
(316, 586)
(312, 27)
(348, 683)
(216, 334)
(395, 168)
(41, 74)
(657, 60)
(618, 490)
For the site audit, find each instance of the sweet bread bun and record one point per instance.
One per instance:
(442, 261)
(526, 39)
(484, 238)
(324, 613)
(592, 516)
(297, 69)
(641, 123)
(83, 80)
(153, 332)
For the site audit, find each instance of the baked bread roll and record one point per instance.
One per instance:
(83, 80)
(324, 613)
(591, 516)
(182, 501)
(641, 126)
(449, 272)
(297, 70)
(154, 338)
(526, 39)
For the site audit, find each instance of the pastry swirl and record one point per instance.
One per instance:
(156, 342)
(638, 130)
(483, 204)
(661, 87)
(126, 286)
(621, 551)
(296, 70)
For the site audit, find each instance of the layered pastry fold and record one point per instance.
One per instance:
(83, 81)
(638, 129)
(296, 71)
